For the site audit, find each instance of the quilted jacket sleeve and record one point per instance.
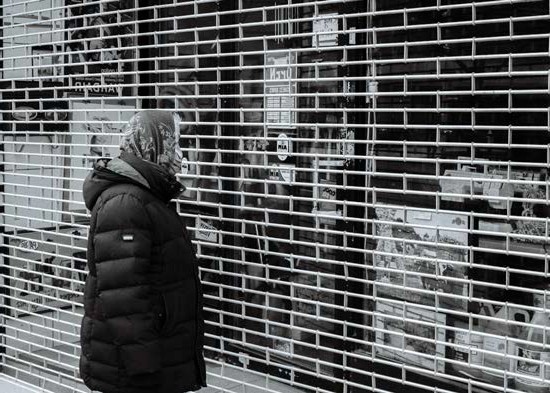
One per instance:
(122, 245)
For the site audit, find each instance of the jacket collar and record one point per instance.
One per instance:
(150, 175)
(132, 170)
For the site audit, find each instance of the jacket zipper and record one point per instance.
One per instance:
(198, 311)
(198, 314)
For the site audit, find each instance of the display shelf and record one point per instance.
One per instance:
(386, 371)
(514, 246)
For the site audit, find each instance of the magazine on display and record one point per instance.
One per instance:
(421, 255)
(410, 334)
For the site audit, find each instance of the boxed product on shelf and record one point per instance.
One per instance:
(410, 334)
(420, 256)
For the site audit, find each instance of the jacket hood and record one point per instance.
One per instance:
(129, 169)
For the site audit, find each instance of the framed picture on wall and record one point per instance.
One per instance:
(95, 133)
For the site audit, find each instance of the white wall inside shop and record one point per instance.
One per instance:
(44, 345)
(39, 23)
(33, 168)
(32, 162)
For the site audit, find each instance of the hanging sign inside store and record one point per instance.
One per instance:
(206, 231)
(327, 193)
(325, 30)
(284, 146)
(347, 145)
(279, 90)
(327, 206)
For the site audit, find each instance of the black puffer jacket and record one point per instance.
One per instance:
(142, 329)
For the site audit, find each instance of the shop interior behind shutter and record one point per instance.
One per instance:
(367, 183)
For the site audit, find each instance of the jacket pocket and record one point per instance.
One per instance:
(161, 313)
(179, 310)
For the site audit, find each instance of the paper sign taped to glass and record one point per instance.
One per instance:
(327, 211)
(206, 230)
(346, 147)
(420, 256)
(410, 335)
(325, 30)
(283, 173)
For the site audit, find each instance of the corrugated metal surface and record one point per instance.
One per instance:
(367, 183)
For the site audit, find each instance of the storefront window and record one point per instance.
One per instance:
(366, 182)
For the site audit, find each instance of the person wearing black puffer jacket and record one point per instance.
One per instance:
(142, 329)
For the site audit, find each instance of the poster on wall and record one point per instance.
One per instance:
(280, 89)
(46, 269)
(95, 133)
(100, 46)
(410, 335)
(419, 254)
(35, 115)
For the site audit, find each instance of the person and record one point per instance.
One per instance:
(142, 329)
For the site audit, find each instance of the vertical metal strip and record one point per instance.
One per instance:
(228, 90)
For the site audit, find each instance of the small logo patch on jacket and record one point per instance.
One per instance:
(128, 237)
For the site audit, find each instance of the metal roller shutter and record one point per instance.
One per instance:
(367, 183)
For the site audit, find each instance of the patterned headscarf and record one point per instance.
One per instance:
(151, 135)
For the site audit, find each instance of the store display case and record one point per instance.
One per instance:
(460, 221)
(366, 181)
(288, 186)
